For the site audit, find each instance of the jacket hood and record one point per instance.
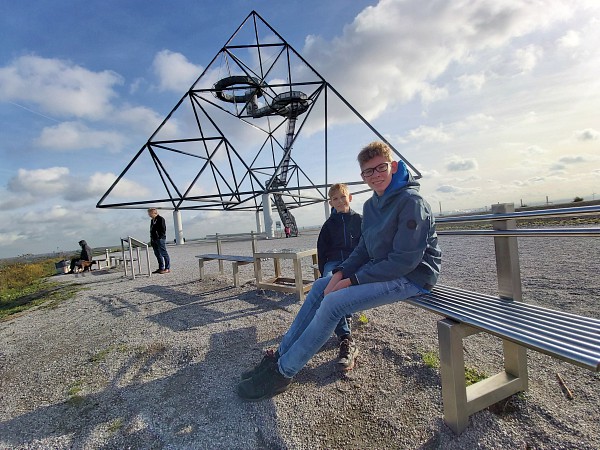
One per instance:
(400, 179)
(82, 242)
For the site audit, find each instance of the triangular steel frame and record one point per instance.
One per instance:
(269, 70)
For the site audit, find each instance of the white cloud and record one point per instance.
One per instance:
(58, 87)
(70, 136)
(36, 186)
(456, 190)
(589, 134)
(458, 164)
(525, 59)
(430, 134)
(100, 182)
(174, 71)
(570, 39)
(402, 55)
(573, 159)
(15, 200)
(473, 82)
(533, 150)
(40, 182)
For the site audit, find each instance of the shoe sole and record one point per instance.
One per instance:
(264, 397)
(350, 367)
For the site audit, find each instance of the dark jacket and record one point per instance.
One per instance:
(338, 236)
(158, 229)
(86, 251)
(398, 238)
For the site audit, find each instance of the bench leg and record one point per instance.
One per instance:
(461, 401)
(298, 279)
(201, 268)
(236, 274)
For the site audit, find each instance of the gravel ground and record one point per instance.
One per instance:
(153, 363)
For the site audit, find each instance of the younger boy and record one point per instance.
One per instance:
(397, 257)
(338, 236)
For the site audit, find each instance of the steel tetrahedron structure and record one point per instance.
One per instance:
(233, 139)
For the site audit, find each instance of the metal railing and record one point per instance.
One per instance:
(127, 255)
(505, 233)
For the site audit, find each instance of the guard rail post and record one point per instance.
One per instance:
(219, 253)
(460, 403)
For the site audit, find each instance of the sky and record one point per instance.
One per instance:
(491, 101)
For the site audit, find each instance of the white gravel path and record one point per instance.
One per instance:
(153, 363)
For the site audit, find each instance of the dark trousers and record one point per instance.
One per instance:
(162, 256)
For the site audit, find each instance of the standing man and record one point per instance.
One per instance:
(158, 239)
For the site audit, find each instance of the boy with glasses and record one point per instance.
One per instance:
(397, 257)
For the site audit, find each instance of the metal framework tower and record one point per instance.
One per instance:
(232, 140)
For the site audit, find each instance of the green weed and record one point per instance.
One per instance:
(431, 360)
(115, 425)
(472, 376)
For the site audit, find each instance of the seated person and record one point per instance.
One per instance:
(85, 256)
(339, 235)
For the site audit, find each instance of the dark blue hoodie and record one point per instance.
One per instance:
(398, 237)
(338, 236)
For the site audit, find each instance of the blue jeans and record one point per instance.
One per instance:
(318, 316)
(343, 326)
(160, 251)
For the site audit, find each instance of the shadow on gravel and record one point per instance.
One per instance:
(220, 305)
(195, 407)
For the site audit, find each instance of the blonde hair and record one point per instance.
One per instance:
(338, 187)
(374, 149)
(152, 210)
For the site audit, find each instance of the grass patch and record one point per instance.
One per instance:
(472, 376)
(115, 425)
(102, 354)
(363, 319)
(431, 360)
(25, 285)
(74, 393)
(75, 389)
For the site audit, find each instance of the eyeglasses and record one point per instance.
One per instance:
(383, 167)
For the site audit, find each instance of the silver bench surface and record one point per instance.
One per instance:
(562, 335)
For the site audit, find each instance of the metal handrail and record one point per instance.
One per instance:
(588, 232)
(137, 244)
(555, 212)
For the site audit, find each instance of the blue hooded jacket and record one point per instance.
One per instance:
(398, 237)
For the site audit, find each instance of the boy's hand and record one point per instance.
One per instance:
(336, 283)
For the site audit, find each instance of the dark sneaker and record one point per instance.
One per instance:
(348, 354)
(265, 384)
(157, 271)
(270, 356)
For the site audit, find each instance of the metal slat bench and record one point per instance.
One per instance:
(569, 337)
(235, 260)
(521, 326)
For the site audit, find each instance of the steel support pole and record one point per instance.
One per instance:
(178, 227)
(268, 215)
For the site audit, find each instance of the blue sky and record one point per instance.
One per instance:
(491, 101)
